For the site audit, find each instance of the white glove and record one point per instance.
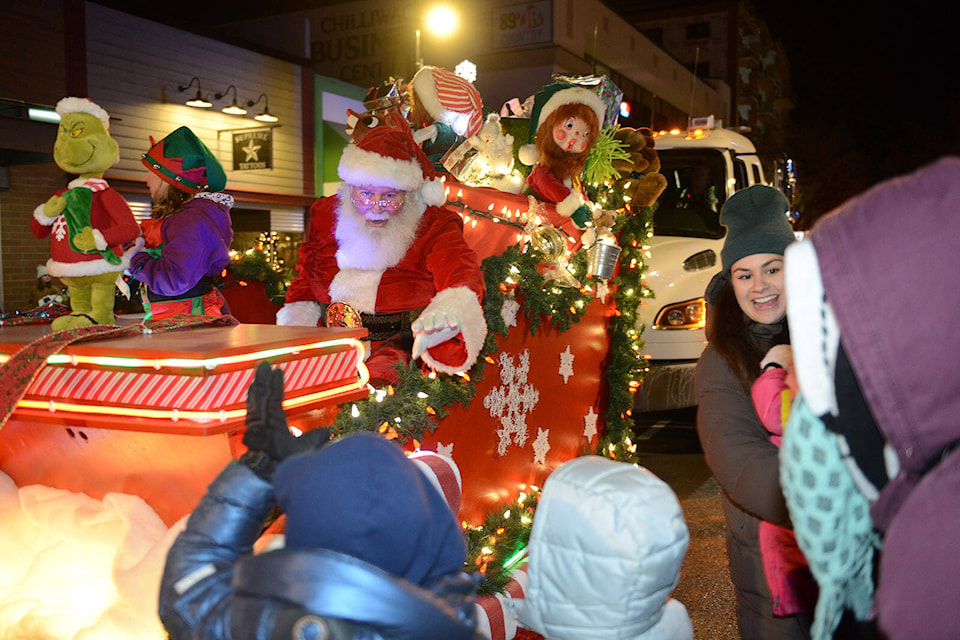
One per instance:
(782, 354)
(433, 328)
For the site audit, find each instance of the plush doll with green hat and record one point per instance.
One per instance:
(564, 125)
(187, 240)
(88, 223)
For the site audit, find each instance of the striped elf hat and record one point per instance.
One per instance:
(182, 160)
(449, 99)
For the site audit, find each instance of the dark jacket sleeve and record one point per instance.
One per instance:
(196, 589)
(737, 448)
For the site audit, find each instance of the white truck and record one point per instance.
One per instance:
(704, 166)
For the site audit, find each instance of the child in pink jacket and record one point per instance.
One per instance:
(792, 586)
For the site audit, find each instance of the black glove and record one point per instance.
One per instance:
(267, 437)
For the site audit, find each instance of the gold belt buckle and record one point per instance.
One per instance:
(340, 314)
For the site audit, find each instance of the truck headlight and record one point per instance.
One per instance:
(683, 315)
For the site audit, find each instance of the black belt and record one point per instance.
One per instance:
(382, 326)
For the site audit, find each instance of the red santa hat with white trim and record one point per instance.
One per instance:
(388, 156)
(449, 99)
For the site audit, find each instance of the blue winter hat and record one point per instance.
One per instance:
(756, 222)
(361, 496)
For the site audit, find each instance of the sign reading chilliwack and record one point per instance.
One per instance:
(253, 149)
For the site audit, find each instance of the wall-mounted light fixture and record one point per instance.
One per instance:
(198, 100)
(265, 115)
(233, 108)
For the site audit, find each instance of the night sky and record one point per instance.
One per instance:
(885, 75)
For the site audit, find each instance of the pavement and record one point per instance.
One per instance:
(670, 449)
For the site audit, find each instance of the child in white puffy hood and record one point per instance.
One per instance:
(605, 552)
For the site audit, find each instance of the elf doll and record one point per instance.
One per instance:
(445, 110)
(564, 125)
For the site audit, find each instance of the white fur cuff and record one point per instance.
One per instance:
(41, 217)
(570, 204)
(460, 302)
(299, 314)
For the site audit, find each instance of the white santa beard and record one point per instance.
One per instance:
(365, 252)
(361, 246)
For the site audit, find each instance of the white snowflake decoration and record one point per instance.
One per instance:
(603, 290)
(541, 445)
(512, 401)
(445, 449)
(60, 228)
(590, 424)
(509, 311)
(566, 364)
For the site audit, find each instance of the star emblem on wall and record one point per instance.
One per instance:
(253, 151)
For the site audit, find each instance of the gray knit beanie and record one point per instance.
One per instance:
(756, 222)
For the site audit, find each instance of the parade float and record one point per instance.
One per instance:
(156, 412)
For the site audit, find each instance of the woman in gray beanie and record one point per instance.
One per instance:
(746, 317)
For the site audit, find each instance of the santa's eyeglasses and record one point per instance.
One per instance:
(391, 200)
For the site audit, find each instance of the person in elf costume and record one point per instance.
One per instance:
(564, 125)
(382, 253)
(187, 239)
(88, 223)
(445, 110)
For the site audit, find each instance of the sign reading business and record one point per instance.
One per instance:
(522, 24)
(253, 149)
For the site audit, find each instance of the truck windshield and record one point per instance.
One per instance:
(690, 205)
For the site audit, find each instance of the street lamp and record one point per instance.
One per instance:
(440, 20)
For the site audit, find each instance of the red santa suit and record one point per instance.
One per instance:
(419, 267)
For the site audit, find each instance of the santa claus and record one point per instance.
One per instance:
(383, 252)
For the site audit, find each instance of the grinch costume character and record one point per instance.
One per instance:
(88, 223)
(187, 241)
(384, 248)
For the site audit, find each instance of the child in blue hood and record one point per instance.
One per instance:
(372, 548)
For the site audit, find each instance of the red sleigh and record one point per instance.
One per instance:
(159, 415)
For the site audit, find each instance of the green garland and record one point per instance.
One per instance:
(499, 545)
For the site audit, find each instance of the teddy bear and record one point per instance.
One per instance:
(640, 181)
(88, 223)
(487, 159)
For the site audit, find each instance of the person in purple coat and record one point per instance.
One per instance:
(870, 458)
(187, 239)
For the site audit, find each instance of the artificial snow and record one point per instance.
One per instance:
(76, 568)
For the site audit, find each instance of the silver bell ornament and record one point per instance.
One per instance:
(549, 241)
